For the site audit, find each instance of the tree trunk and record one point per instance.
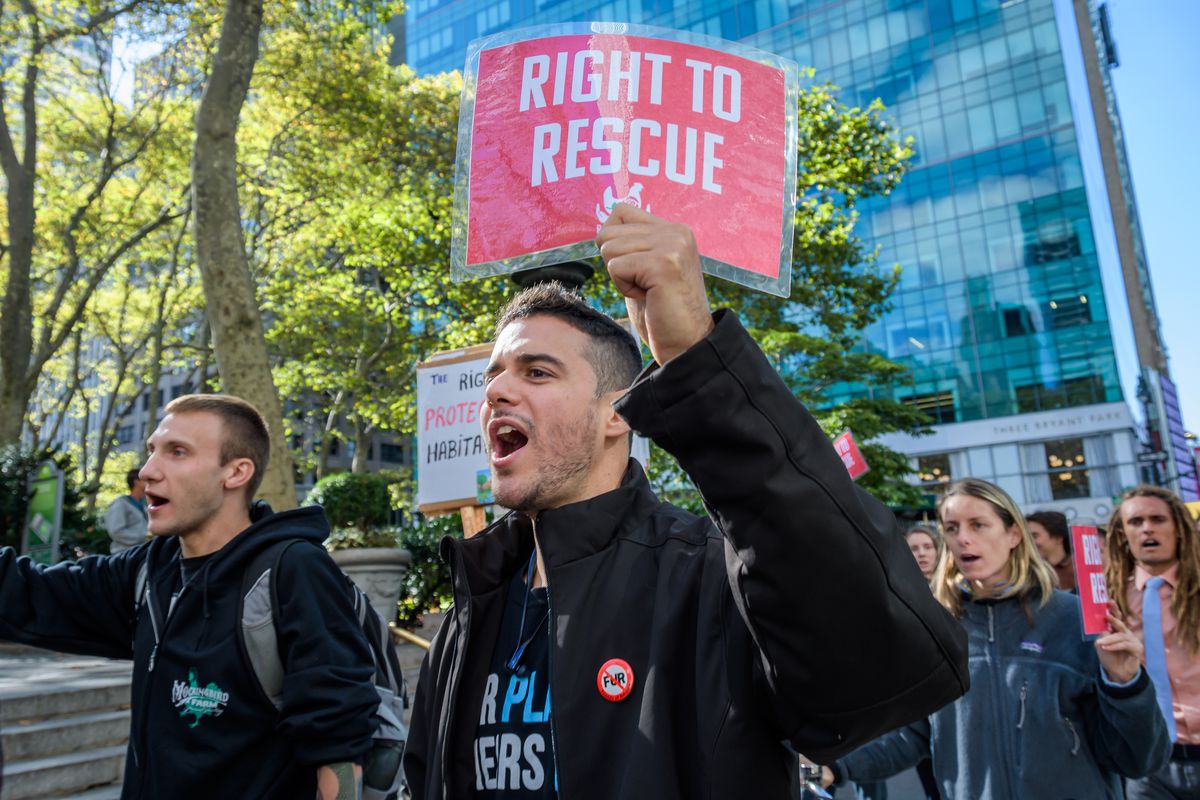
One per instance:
(362, 444)
(16, 320)
(328, 435)
(229, 294)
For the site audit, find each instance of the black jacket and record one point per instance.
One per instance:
(799, 617)
(201, 726)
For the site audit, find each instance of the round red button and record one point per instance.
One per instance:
(615, 680)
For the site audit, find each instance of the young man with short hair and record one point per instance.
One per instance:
(126, 520)
(604, 644)
(202, 726)
(1153, 573)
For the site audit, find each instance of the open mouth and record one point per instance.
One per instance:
(155, 502)
(505, 439)
(1149, 542)
(968, 559)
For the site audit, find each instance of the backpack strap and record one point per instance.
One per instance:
(259, 606)
(139, 585)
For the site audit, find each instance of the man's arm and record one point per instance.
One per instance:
(888, 755)
(81, 607)
(339, 782)
(328, 689)
(818, 570)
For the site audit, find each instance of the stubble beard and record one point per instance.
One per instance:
(193, 520)
(560, 474)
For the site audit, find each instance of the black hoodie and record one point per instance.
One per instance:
(201, 727)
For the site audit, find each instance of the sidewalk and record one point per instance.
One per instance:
(24, 670)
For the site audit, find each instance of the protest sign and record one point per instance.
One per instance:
(1089, 578)
(560, 123)
(852, 457)
(450, 451)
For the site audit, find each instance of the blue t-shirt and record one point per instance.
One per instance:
(514, 745)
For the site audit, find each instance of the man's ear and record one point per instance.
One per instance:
(238, 472)
(614, 424)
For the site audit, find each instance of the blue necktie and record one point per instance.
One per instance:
(1156, 654)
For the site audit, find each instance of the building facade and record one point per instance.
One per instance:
(1025, 311)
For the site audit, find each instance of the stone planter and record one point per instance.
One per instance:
(378, 571)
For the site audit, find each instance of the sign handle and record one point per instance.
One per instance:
(474, 520)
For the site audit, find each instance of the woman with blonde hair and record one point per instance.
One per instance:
(1049, 714)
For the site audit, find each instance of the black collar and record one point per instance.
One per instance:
(489, 559)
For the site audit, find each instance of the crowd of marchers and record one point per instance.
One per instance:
(1049, 713)
(605, 644)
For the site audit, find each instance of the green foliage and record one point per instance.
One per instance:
(427, 585)
(814, 337)
(346, 170)
(360, 500)
(82, 533)
(347, 538)
(17, 467)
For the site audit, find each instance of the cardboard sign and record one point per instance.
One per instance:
(560, 123)
(1089, 578)
(450, 447)
(852, 457)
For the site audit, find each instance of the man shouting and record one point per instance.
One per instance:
(604, 644)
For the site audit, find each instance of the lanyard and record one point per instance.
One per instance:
(513, 665)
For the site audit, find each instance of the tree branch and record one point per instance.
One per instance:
(50, 342)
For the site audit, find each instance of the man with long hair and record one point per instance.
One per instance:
(1154, 575)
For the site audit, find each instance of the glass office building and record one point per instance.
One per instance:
(1025, 312)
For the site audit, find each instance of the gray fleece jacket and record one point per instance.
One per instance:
(1038, 722)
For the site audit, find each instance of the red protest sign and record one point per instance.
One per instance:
(852, 457)
(560, 128)
(1089, 578)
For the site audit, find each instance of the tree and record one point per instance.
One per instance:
(229, 292)
(350, 194)
(838, 289)
(68, 222)
(353, 202)
(131, 327)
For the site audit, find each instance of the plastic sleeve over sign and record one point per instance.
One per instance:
(560, 123)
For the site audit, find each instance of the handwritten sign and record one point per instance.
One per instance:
(852, 457)
(450, 447)
(1089, 578)
(556, 128)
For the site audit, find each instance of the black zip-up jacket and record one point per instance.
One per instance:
(799, 617)
(201, 726)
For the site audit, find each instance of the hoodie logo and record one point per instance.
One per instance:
(1031, 647)
(199, 701)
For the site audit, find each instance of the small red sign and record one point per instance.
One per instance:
(615, 680)
(852, 457)
(1089, 578)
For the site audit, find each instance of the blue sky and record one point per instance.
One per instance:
(1158, 92)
